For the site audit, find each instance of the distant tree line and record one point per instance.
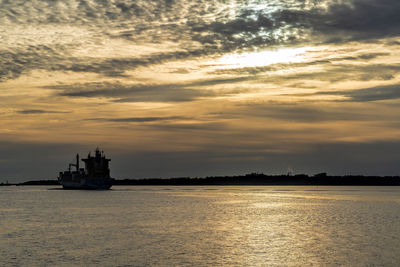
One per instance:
(252, 179)
(262, 179)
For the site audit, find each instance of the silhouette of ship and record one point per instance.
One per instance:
(95, 175)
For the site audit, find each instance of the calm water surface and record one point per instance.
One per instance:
(200, 226)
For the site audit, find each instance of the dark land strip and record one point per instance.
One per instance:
(252, 179)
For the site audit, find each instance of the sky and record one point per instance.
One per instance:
(171, 88)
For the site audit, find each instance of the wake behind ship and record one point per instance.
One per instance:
(95, 175)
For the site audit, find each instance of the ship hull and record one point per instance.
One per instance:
(88, 184)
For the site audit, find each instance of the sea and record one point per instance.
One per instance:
(200, 226)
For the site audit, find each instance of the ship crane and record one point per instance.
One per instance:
(76, 165)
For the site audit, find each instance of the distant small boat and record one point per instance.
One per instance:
(95, 175)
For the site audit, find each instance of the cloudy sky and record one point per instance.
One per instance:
(195, 88)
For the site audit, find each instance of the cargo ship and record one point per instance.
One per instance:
(95, 175)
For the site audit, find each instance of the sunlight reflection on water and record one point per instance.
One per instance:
(199, 226)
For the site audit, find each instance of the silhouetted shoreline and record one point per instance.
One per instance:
(252, 179)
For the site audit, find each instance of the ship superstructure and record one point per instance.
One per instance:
(95, 175)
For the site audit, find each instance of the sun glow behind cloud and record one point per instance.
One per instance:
(262, 58)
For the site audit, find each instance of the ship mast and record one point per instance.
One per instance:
(77, 162)
(75, 165)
